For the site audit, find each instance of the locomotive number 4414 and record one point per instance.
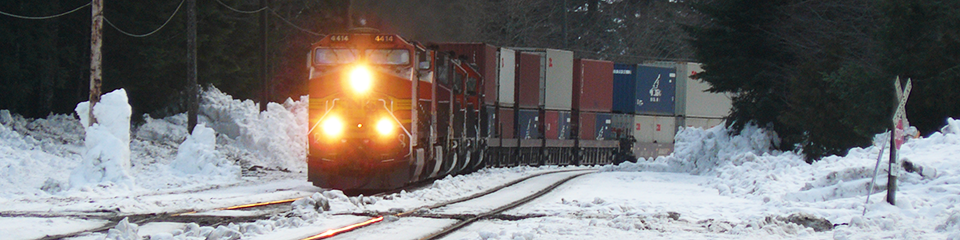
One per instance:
(383, 38)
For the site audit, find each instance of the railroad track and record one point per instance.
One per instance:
(206, 217)
(455, 214)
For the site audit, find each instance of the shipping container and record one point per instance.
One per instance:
(705, 123)
(507, 75)
(484, 56)
(622, 125)
(587, 126)
(566, 126)
(692, 98)
(656, 88)
(505, 118)
(556, 77)
(603, 128)
(697, 101)
(556, 124)
(490, 122)
(592, 85)
(624, 88)
(529, 124)
(655, 129)
(528, 83)
(551, 122)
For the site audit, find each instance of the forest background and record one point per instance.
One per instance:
(818, 72)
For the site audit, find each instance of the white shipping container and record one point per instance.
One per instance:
(705, 123)
(643, 128)
(507, 71)
(698, 102)
(665, 129)
(654, 129)
(556, 77)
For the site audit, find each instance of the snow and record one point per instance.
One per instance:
(107, 143)
(714, 186)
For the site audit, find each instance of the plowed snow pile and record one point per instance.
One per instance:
(834, 188)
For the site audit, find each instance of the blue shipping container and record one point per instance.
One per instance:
(656, 90)
(565, 128)
(529, 123)
(604, 127)
(624, 88)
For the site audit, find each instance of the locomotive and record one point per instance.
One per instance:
(385, 112)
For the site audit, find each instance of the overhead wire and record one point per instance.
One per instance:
(241, 11)
(274, 14)
(294, 25)
(150, 33)
(46, 17)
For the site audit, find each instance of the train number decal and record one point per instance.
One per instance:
(340, 38)
(383, 38)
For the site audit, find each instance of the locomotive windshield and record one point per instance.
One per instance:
(388, 56)
(335, 56)
(330, 56)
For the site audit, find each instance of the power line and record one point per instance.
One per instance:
(150, 33)
(294, 25)
(271, 11)
(45, 17)
(241, 11)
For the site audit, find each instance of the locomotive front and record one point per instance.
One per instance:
(361, 86)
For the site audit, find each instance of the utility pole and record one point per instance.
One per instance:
(192, 102)
(96, 40)
(264, 87)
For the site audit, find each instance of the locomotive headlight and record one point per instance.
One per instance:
(332, 126)
(361, 79)
(385, 127)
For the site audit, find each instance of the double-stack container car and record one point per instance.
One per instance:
(386, 112)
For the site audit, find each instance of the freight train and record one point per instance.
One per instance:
(385, 112)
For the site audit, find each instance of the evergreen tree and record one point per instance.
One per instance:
(921, 41)
(740, 57)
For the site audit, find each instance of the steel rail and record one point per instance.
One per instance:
(501, 209)
(325, 234)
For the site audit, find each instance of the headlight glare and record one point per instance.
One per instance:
(385, 127)
(361, 79)
(332, 126)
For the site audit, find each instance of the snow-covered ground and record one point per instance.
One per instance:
(714, 186)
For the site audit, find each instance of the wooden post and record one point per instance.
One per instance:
(192, 102)
(891, 175)
(96, 40)
(264, 87)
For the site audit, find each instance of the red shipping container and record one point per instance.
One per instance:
(528, 83)
(551, 124)
(485, 57)
(592, 85)
(506, 123)
(588, 124)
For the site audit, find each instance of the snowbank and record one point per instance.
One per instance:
(834, 188)
(700, 151)
(107, 142)
(277, 137)
(58, 155)
(198, 155)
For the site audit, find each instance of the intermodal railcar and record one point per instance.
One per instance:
(385, 112)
